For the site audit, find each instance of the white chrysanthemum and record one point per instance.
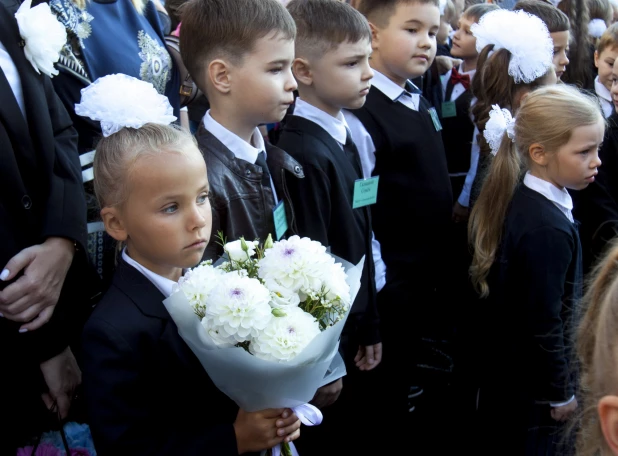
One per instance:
(297, 264)
(198, 282)
(235, 250)
(528, 41)
(218, 337)
(280, 296)
(238, 307)
(336, 285)
(285, 337)
(43, 34)
(119, 101)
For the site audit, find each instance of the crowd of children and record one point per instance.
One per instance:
(487, 154)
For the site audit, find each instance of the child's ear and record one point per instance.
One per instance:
(596, 59)
(608, 417)
(538, 154)
(302, 71)
(375, 36)
(113, 223)
(220, 75)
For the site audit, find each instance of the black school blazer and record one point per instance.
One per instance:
(145, 391)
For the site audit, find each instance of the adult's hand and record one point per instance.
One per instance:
(32, 297)
(62, 376)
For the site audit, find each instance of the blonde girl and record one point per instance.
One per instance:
(145, 391)
(527, 263)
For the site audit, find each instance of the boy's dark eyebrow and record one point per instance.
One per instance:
(280, 62)
(356, 56)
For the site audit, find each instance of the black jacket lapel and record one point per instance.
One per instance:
(140, 290)
(10, 114)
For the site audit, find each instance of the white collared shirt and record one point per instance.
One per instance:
(334, 126)
(238, 146)
(394, 91)
(12, 75)
(605, 97)
(164, 285)
(367, 151)
(560, 197)
(475, 152)
(458, 88)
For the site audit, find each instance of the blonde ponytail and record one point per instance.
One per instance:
(489, 212)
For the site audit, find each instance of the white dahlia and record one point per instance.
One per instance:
(285, 337)
(197, 284)
(238, 307)
(297, 264)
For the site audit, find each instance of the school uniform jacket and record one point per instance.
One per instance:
(535, 286)
(457, 131)
(241, 205)
(41, 195)
(414, 183)
(323, 207)
(146, 393)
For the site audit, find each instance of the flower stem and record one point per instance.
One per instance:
(285, 449)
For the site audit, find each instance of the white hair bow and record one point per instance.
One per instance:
(524, 35)
(500, 121)
(596, 28)
(119, 101)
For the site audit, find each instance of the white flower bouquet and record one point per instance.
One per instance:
(265, 321)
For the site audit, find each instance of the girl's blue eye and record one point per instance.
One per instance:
(412, 30)
(202, 198)
(171, 209)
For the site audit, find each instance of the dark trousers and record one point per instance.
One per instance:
(416, 333)
(519, 427)
(342, 431)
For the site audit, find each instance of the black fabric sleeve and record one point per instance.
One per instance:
(543, 259)
(66, 208)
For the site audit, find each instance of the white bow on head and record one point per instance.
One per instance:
(119, 101)
(525, 36)
(500, 121)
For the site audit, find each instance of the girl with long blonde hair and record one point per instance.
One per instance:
(527, 262)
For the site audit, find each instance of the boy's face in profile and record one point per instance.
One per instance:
(605, 63)
(341, 76)
(464, 42)
(561, 49)
(407, 45)
(262, 84)
(614, 85)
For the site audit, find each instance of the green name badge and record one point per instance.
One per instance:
(365, 192)
(281, 220)
(448, 109)
(434, 118)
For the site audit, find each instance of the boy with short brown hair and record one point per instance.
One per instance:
(240, 55)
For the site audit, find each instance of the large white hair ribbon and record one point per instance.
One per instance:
(525, 36)
(119, 101)
(500, 121)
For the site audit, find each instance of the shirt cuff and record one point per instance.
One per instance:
(561, 404)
